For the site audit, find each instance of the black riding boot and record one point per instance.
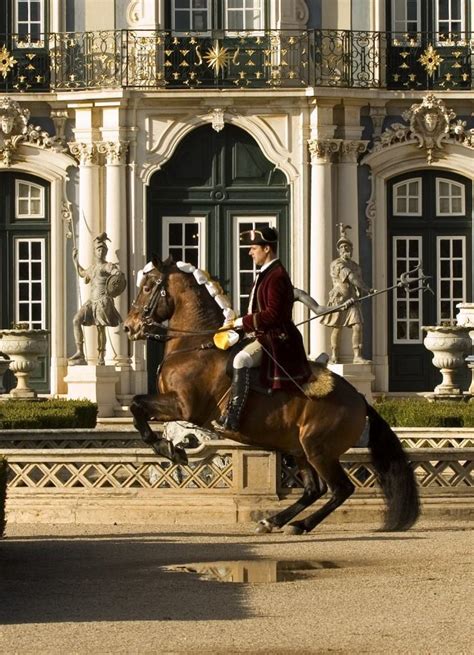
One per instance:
(230, 420)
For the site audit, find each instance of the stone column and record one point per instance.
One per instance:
(116, 228)
(89, 226)
(347, 205)
(321, 234)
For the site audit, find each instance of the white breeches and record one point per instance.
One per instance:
(248, 357)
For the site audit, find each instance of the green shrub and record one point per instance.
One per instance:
(3, 493)
(419, 413)
(47, 414)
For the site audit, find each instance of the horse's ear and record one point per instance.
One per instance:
(156, 261)
(168, 261)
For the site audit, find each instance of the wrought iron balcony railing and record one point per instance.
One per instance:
(277, 59)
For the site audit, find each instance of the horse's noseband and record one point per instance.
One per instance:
(158, 291)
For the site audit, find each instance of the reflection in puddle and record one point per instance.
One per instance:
(257, 571)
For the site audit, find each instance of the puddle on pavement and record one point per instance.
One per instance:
(256, 571)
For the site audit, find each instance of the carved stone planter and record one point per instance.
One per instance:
(23, 347)
(449, 344)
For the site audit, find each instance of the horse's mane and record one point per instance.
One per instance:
(204, 280)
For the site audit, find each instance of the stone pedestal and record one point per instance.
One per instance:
(359, 375)
(95, 383)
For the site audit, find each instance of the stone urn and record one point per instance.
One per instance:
(23, 346)
(4, 362)
(449, 344)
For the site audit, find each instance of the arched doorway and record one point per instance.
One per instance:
(429, 219)
(25, 227)
(216, 185)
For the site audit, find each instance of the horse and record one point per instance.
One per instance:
(312, 425)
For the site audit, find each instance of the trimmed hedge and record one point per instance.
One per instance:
(420, 413)
(47, 414)
(3, 493)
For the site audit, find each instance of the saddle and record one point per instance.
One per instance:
(320, 384)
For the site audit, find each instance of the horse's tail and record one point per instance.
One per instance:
(395, 474)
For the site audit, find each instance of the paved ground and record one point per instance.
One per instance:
(96, 589)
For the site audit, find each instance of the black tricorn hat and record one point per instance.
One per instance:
(265, 236)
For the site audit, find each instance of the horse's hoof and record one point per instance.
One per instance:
(263, 527)
(293, 528)
(180, 457)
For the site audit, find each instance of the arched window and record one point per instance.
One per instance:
(29, 200)
(407, 198)
(450, 198)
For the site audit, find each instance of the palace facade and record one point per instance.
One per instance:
(175, 125)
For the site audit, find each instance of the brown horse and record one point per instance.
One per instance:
(315, 431)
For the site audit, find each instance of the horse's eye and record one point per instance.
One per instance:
(146, 289)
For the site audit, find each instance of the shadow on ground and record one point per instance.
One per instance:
(115, 579)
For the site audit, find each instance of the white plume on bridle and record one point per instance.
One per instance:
(202, 277)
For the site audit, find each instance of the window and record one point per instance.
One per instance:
(405, 16)
(450, 17)
(30, 282)
(191, 15)
(29, 200)
(407, 198)
(29, 19)
(244, 15)
(184, 239)
(451, 275)
(407, 307)
(450, 198)
(245, 276)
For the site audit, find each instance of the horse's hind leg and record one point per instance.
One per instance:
(340, 486)
(145, 407)
(314, 488)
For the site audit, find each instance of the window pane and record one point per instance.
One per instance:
(23, 271)
(36, 291)
(23, 208)
(23, 291)
(35, 11)
(445, 289)
(401, 205)
(445, 268)
(192, 257)
(413, 189)
(401, 309)
(456, 9)
(457, 248)
(456, 207)
(235, 21)
(413, 248)
(35, 250)
(444, 248)
(200, 22)
(401, 331)
(23, 11)
(443, 9)
(458, 289)
(35, 192)
(176, 254)
(401, 248)
(457, 268)
(36, 271)
(413, 206)
(175, 234)
(444, 205)
(23, 251)
(181, 21)
(200, 4)
(24, 314)
(181, 4)
(36, 311)
(412, 10)
(191, 231)
(414, 330)
(35, 207)
(443, 189)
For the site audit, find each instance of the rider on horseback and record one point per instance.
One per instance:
(277, 346)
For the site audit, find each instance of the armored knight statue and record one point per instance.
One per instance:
(348, 285)
(107, 282)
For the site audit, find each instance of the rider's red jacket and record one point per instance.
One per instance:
(270, 317)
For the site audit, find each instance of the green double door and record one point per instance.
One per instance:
(429, 221)
(217, 185)
(24, 260)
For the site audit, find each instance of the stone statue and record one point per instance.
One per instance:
(107, 282)
(347, 283)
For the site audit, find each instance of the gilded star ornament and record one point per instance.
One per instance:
(217, 57)
(430, 60)
(7, 61)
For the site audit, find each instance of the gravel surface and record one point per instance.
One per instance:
(106, 589)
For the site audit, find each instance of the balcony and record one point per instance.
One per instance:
(150, 60)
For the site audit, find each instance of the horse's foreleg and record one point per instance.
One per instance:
(164, 408)
(340, 486)
(314, 488)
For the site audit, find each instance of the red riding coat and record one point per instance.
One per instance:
(271, 320)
